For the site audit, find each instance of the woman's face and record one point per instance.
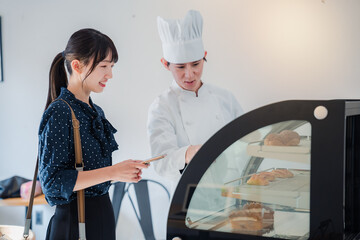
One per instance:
(188, 75)
(96, 81)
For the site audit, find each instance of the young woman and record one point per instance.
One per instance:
(88, 57)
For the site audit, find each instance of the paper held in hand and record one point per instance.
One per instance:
(146, 162)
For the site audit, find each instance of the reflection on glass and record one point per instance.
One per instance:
(260, 185)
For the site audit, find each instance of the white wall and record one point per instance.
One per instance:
(263, 51)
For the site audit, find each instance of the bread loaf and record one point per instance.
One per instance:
(284, 138)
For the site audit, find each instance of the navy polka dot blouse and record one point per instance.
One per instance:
(57, 172)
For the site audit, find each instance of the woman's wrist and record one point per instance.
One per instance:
(109, 173)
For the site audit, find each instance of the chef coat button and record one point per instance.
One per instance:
(188, 123)
(217, 116)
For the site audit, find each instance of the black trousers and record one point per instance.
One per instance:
(99, 220)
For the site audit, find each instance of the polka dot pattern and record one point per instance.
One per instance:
(57, 172)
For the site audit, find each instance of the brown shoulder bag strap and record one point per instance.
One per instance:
(79, 165)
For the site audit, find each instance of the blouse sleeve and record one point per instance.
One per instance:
(56, 168)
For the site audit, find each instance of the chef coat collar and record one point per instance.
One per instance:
(179, 91)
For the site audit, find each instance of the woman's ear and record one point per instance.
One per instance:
(205, 54)
(165, 63)
(76, 66)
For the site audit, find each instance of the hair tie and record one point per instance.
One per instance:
(63, 54)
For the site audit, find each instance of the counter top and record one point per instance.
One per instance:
(22, 202)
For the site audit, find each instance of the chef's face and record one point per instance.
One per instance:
(187, 75)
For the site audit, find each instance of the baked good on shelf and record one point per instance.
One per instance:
(264, 178)
(268, 176)
(290, 138)
(253, 218)
(258, 179)
(282, 173)
(284, 138)
(273, 139)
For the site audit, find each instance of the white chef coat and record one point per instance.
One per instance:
(178, 118)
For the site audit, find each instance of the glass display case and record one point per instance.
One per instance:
(289, 170)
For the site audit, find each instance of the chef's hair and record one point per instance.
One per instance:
(168, 63)
(83, 45)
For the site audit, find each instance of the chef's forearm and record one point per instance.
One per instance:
(190, 152)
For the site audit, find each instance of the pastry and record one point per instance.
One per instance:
(284, 138)
(253, 217)
(258, 179)
(282, 173)
(263, 178)
(290, 138)
(268, 176)
(273, 139)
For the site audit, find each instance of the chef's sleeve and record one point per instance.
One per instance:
(162, 138)
(236, 108)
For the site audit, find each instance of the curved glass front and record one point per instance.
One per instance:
(260, 185)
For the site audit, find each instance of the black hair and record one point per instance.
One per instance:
(168, 63)
(83, 45)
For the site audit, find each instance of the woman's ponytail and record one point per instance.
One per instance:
(57, 78)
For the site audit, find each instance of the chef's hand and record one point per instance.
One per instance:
(191, 151)
(128, 171)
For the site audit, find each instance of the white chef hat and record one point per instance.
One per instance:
(182, 38)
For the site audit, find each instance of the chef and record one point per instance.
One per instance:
(190, 111)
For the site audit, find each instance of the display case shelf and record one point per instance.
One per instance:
(282, 220)
(292, 192)
(300, 153)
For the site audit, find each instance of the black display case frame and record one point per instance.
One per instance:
(335, 167)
